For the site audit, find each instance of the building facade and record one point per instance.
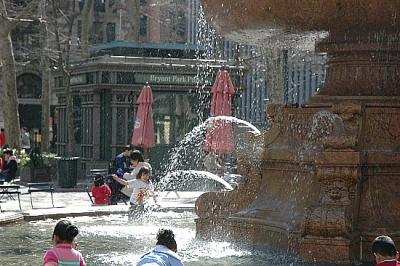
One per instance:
(105, 91)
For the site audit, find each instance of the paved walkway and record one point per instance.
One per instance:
(79, 204)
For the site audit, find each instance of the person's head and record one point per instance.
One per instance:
(384, 248)
(98, 180)
(64, 232)
(24, 129)
(127, 151)
(8, 153)
(144, 174)
(166, 238)
(2, 130)
(136, 157)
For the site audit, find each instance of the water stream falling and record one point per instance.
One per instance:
(188, 154)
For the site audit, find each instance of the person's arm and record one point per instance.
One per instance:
(94, 191)
(108, 191)
(50, 259)
(153, 193)
(120, 180)
(82, 261)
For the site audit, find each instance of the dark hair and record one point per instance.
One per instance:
(384, 245)
(166, 238)
(136, 155)
(98, 180)
(126, 148)
(143, 170)
(25, 128)
(2, 129)
(9, 152)
(65, 231)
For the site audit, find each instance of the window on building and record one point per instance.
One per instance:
(100, 6)
(110, 32)
(26, 36)
(79, 28)
(125, 78)
(181, 26)
(163, 129)
(77, 117)
(143, 25)
(59, 82)
(29, 86)
(90, 77)
(81, 4)
(97, 32)
(105, 77)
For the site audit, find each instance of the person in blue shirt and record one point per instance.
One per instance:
(164, 253)
(122, 161)
(121, 165)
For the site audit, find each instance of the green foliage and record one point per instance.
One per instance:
(35, 158)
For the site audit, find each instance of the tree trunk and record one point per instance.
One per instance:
(70, 116)
(44, 65)
(86, 15)
(10, 107)
(10, 99)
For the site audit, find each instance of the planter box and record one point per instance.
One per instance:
(35, 174)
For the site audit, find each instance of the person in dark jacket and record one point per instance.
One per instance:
(10, 166)
(164, 253)
(121, 165)
(385, 251)
(122, 161)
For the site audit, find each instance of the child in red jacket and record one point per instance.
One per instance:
(101, 191)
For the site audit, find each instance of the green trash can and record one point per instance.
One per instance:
(67, 171)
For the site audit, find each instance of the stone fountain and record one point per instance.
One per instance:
(329, 173)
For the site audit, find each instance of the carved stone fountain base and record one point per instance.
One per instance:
(328, 182)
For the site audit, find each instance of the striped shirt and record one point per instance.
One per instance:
(64, 255)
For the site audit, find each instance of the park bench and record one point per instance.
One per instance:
(41, 187)
(7, 192)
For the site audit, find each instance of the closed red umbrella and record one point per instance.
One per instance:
(143, 132)
(219, 138)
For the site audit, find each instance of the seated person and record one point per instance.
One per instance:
(122, 160)
(121, 165)
(164, 253)
(10, 167)
(137, 161)
(101, 191)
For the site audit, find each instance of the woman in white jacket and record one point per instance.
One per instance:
(137, 161)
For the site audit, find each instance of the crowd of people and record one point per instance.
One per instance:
(130, 180)
(165, 251)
